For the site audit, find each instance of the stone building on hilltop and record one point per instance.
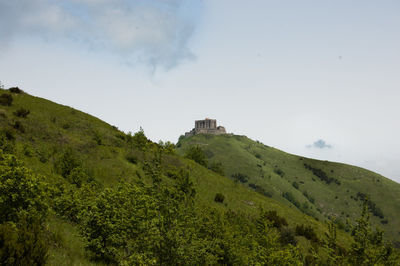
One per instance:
(206, 126)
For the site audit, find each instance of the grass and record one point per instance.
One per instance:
(51, 128)
(276, 171)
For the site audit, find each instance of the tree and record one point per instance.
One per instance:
(23, 209)
(22, 194)
(368, 247)
(196, 154)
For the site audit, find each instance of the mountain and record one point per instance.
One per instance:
(322, 189)
(83, 192)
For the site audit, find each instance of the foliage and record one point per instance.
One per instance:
(219, 197)
(242, 178)
(295, 185)
(19, 126)
(196, 154)
(23, 208)
(368, 247)
(21, 192)
(217, 168)
(138, 140)
(375, 210)
(289, 196)
(276, 220)
(15, 90)
(279, 172)
(321, 174)
(6, 99)
(22, 112)
(23, 243)
(261, 190)
(307, 231)
(309, 197)
(67, 162)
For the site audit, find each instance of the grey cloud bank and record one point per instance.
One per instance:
(152, 32)
(320, 144)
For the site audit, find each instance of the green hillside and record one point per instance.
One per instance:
(93, 194)
(322, 189)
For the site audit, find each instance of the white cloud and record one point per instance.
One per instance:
(152, 32)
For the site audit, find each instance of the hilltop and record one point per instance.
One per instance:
(97, 195)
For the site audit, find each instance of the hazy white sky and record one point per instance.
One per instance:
(287, 73)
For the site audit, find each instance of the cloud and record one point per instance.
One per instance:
(154, 32)
(320, 144)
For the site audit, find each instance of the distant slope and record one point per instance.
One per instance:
(319, 188)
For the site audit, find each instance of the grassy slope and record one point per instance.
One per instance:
(239, 154)
(50, 128)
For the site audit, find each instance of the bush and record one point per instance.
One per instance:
(288, 237)
(260, 190)
(131, 157)
(309, 197)
(321, 175)
(277, 221)
(289, 196)
(15, 90)
(217, 168)
(279, 172)
(307, 231)
(240, 177)
(6, 99)
(219, 197)
(295, 185)
(22, 112)
(18, 126)
(21, 192)
(196, 154)
(22, 244)
(67, 162)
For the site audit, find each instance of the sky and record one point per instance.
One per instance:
(315, 78)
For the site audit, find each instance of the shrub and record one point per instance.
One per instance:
(279, 172)
(375, 210)
(307, 231)
(22, 244)
(196, 154)
(77, 176)
(260, 190)
(21, 192)
(3, 113)
(288, 237)
(131, 157)
(18, 126)
(277, 221)
(240, 177)
(289, 196)
(295, 185)
(15, 90)
(22, 112)
(309, 197)
(6, 99)
(321, 175)
(67, 162)
(219, 197)
(217, 168)
(138, 140)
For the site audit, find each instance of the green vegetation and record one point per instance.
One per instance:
(77, 191)
(322, 189)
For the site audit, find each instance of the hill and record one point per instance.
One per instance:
(322, 189)
(92, 194)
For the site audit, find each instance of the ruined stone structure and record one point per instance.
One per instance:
(206, 126)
